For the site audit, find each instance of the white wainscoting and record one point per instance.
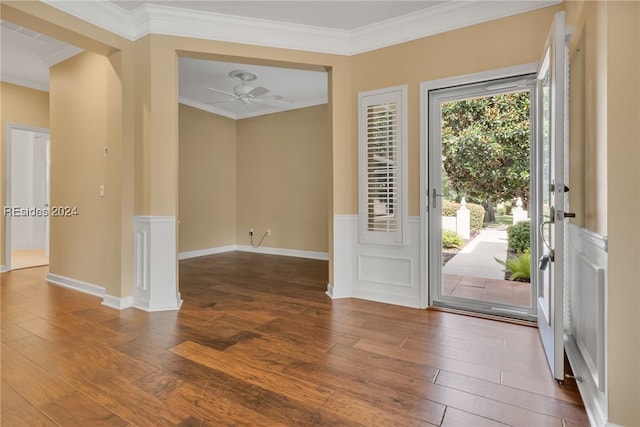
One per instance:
(155, 264)
(387, 274)
(586, 317)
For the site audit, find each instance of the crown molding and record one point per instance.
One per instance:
(61, 55)
(153, 19)
(20, 81)
(438, 19)
(234, 116)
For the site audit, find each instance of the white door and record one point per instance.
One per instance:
(552, 86)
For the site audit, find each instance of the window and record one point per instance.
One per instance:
(382, 154)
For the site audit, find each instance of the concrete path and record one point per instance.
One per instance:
(477, 258)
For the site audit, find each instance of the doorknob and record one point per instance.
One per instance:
(435, 195)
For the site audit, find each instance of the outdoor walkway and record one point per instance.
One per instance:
(473, 273)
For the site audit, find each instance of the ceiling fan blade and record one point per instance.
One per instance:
(221, 102)
(276, 100)
(258, 91)
(223, 92)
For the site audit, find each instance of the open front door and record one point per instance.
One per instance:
(551, 92)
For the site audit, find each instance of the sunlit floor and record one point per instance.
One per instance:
(485, 289)
(25, 258)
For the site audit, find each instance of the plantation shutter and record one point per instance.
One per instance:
(381, 140)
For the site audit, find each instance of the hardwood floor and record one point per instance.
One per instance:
(258, 343)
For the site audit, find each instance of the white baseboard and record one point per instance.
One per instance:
(76, 285)
(248, 248)
(169, 304)
(117, 302)
(205, 252)
(284, 252)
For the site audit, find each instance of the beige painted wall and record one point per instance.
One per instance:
(497, 44)
(84, 247)
(22, 106)
(283, 179)
(207, 174)
(604, 155)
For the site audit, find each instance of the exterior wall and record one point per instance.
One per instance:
(23, 106)
(207, 180)
(283, 179)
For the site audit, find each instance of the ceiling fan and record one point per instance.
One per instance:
(245, 93)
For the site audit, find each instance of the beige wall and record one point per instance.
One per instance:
(84, 247)
(497, 44)
(21, 106)
(284, 179)
(207, 174)
(267, 172)
(604, 155)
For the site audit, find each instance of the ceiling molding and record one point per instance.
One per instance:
(20, 81)
(153, 19)
(438, 19)
(212, 109)
(61, 55)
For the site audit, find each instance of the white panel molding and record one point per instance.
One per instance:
(16, 80)
(119, 303)
(284, 252)
(77, 285)
(355, 274)
(154, 19)
(586, 336)
(155, 264)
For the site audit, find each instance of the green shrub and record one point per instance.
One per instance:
(477, 216)
(449, 208)
(450, 239)
(520, 267)
(476, 212)
(519, 236)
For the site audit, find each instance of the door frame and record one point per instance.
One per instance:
(7, 192)
(426, 275)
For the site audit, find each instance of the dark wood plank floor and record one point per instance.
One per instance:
(258, 343)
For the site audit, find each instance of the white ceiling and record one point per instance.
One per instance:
(338, 27)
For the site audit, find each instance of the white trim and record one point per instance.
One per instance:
(77, 285)
(435, 20)
(3, 269)
(119, 303)
(61, 55)
(155, 264)
(20, 81)
(284, 252)
(205, 252)
(154, 19)
(235, 116)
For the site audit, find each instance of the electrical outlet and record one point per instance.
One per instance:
(269, 232)
(251, 232)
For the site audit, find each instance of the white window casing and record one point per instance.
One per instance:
(382, 161)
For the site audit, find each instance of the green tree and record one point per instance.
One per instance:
(485, 144)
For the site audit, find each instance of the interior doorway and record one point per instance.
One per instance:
(27, 197)
(480, 183)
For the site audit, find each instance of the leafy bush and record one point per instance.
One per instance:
(477, 216)
(450, 239)
(520, 267)
(450, 208)
(519, 237)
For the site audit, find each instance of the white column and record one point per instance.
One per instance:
(155, 261)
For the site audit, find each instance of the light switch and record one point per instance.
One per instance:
(101, 190)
